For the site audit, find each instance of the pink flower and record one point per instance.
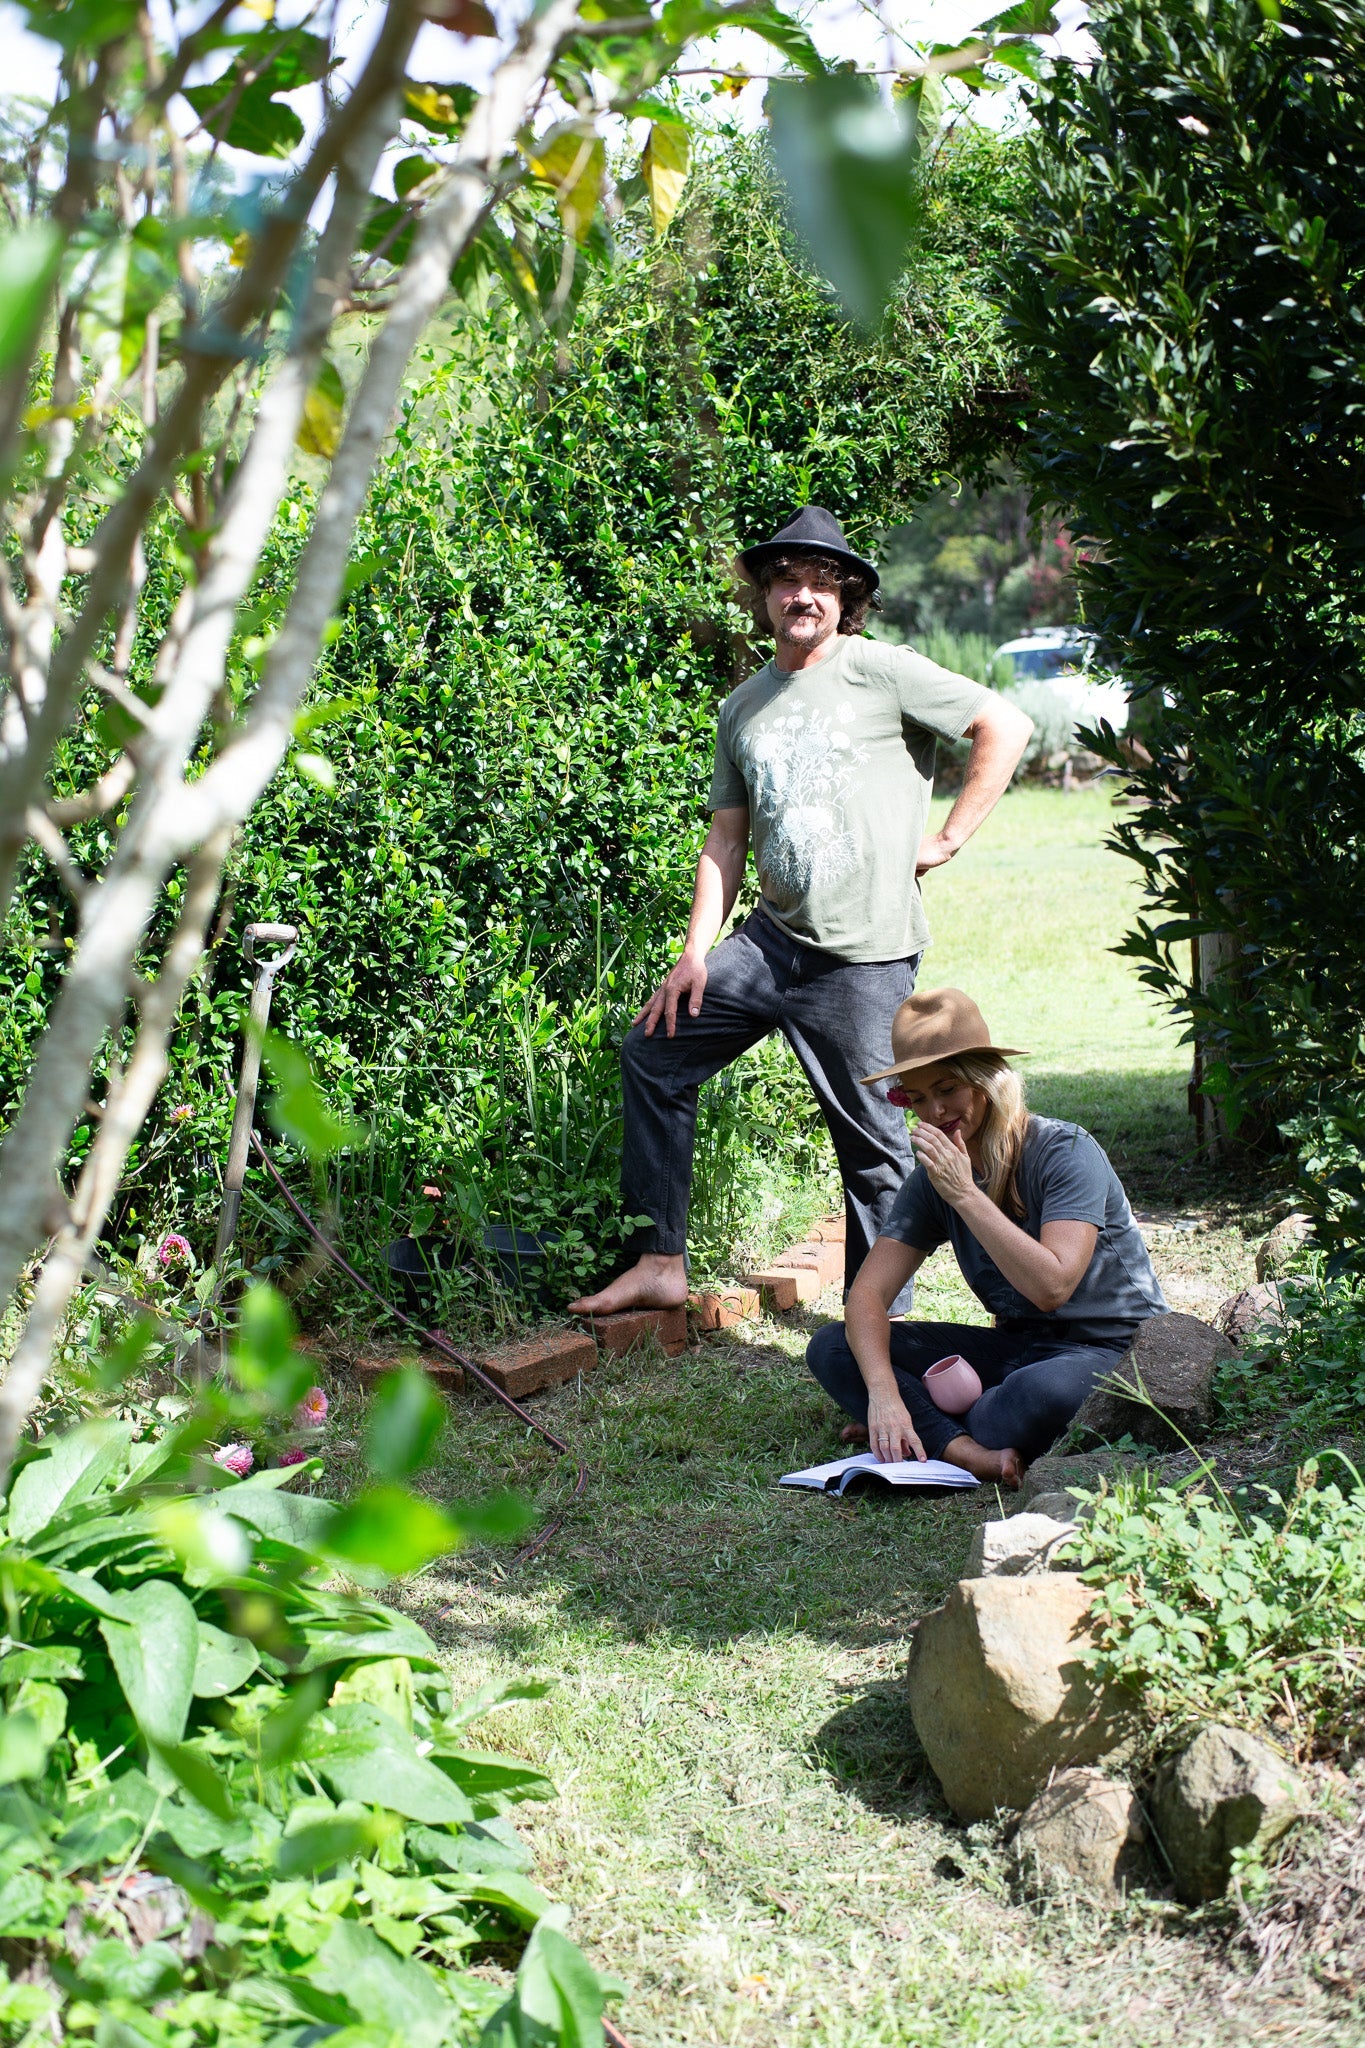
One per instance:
(296, 1456)
(235, 1458)
(311, 1412)
(182, 1113)
(174, 1250)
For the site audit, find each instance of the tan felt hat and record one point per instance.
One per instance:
(938, 1025)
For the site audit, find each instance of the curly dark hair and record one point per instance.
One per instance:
(857, 597)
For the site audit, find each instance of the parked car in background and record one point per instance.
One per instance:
(1058, 660)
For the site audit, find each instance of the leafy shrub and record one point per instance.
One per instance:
(517, 713)
(238, 1804)
(1185, 294)
(1257, 1619)
(1314, 1366)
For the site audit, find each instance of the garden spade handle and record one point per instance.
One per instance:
(255, 934)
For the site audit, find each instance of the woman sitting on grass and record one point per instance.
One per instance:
(1042, 1231)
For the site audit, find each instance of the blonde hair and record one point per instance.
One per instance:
(1005, 1126)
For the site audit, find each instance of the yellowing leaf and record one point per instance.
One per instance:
(431, 104)
(574, 163)
(265, 8)
(323, 410)
(239, 250)
(664, 167)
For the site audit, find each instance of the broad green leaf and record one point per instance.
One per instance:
(298, 1518)
(849, 165)
(53, 1660)
(493, 1782)
(317, 769)
(381, 1988)
(323, 1843)
(297, 1109)
(404, 1421)
(385, 1682)
(397, 1531)
(46, 1703)
(781, 33)
(363, 1755)
(412, 171)
(263, 1359)
(78, 1464)
(326, 1642)
(324, 413)
(190, 1767)
(223, 1662)
(664, 167)
(559, 1994)
(23, 1752)
(573, 161)
(258, 123)
(154, 1652)
(29, 262)
(515, 1894)
(499, 1692)
(113, 1970)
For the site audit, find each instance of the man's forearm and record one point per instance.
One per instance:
(997, 747)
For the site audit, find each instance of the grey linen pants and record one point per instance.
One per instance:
(836, 1016)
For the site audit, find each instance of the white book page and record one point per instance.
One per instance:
(911, 1472)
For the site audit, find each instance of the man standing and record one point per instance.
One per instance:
(826, 759)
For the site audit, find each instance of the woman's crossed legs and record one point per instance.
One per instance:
(1032, 1385)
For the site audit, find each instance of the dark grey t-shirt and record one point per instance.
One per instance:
(1064, 1177)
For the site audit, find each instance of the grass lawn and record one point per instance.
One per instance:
(745, 1829)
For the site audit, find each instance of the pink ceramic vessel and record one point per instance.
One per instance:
(952, 1385)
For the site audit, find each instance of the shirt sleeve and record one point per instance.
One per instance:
(1073, 1179)
(728, 787)
(934, 697)
(917, 1217)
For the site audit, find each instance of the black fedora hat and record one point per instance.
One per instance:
(814, 531)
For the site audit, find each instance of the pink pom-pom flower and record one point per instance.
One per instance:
(295, 1455)
(311, 1412)
(235, 1458)
(174, 1250)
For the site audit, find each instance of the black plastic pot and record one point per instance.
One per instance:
(416, 1264)
(521, 1258)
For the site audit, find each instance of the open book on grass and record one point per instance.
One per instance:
(846, 1472)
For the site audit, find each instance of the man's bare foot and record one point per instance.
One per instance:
(854, 1433)
(658, 1280)
(1006, 1467)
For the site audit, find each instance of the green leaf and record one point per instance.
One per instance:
(508, 1890)
(442, 108)
(28, 269)
(499, 1692)
(77, 1465)
(223, 1662)
(380, 1988)
(154, 1650)
(405, 1419)
(393, 1529)
(322, 1844)
(493, 1782)
(112, 1970)
(191, 1768)
(558, 1995)
(361, 1754)
(23, 1752)
(324, 413)
(850, 167)
(385, 1682)
(46, 1703)
(298, 1110)
(263, 1359)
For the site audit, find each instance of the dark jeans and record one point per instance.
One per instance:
(835, 1015)
(1034, 1380)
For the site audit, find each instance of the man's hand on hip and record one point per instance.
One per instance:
(686, 981)
(934, 852)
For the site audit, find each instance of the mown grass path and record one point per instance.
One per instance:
(745, 1829)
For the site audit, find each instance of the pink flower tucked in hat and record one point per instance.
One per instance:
(235, 1458)
(174, 1249)
(311, 1412)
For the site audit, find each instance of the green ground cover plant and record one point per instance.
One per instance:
(238, 1801)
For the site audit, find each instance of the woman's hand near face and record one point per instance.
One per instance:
(947, 1162)
(890, 1431)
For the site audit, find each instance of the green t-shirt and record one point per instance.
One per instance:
(836, 765)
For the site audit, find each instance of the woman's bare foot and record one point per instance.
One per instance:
(1006, 1467)
(658, 1280)
(853, 1433)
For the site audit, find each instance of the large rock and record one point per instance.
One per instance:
(1085, 1827)
(1255, 1308)
(1058, 1507)
(1225, 1790)
(1173, 1358)
(1024, 1543)
(999, 1695)
(1278, 1251)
